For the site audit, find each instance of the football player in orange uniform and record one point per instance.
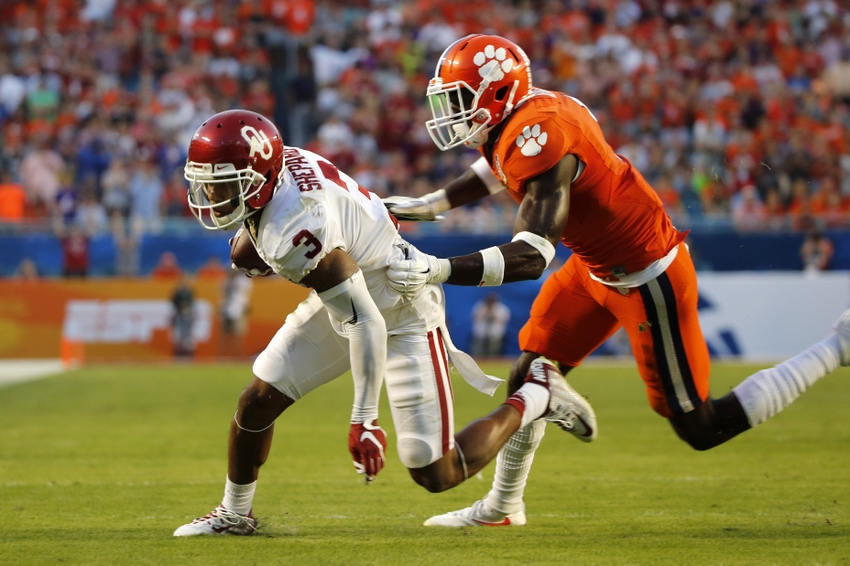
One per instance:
(629, 265)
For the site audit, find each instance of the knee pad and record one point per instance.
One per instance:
(415, 452)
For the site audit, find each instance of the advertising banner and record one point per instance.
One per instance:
(131, 319)
(751, 316)
(770, 315)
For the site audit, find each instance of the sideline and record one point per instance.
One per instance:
(17, 371)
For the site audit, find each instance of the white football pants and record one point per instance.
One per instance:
(306, 352)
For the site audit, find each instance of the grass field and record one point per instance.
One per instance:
(100, 465)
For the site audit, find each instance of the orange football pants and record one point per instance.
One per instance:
(573, 314)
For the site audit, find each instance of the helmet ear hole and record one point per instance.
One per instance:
(501, 94)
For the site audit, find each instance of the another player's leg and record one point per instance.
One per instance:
(503, 506)
(673, 360)
(764, 394)
(566, 323)
(544, 395)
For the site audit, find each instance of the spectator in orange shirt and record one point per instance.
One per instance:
(212, 270)
(828, 205)
(13, 199)
(800, 209)
(167, 268)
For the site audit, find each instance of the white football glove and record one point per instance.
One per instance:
(253, 272)
(427, 208)
(409, 275)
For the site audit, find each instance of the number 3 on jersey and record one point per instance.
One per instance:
(307, 239)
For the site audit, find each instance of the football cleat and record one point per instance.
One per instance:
(842, 329)
(479, 515)
(567, 409)
(219, 522)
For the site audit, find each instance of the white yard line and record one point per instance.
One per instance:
(16, 371)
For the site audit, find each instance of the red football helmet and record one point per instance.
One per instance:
(478, 82)
(234, 167)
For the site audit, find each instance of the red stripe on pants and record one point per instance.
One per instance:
(441, 390)
(445, 362)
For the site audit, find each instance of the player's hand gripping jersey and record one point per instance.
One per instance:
(617, 224)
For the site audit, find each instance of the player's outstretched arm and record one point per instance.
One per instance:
(476, 183)
(540, 222)
(340, 285)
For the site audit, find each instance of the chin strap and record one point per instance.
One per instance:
(509, 107)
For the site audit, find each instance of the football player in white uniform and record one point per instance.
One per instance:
(316, 226)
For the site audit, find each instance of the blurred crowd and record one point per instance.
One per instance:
(734, 111)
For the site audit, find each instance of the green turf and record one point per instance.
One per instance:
(100, 465)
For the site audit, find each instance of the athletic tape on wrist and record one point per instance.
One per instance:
(482, 169)
(494, 267)
(438, 201)
(539, 243)
(440, 270)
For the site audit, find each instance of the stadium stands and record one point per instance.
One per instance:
(737, 112)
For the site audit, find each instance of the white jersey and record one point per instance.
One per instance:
(317, 209)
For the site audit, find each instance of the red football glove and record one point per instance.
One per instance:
(367, 442)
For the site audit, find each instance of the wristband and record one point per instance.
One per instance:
(539, 243)
(482, 169)
(494, 267)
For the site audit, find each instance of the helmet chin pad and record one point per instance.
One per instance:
(478, 138)
(233, 220)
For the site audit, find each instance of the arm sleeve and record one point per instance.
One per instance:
(350, 304)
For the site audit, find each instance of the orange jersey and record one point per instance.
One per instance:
(617, 224)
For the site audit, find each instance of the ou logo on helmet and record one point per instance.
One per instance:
(259, 142)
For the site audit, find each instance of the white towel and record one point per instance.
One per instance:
(469, 369)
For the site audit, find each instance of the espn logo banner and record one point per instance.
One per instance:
(120, 321)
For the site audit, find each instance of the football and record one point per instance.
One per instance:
(244, 256)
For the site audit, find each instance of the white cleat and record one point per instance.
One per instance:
(479, 515)
(219, 522)
(567, 409)
(842, 329)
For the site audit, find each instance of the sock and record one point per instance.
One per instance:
(531, 400)
(767, 392)
(239, 498)
(512, 466)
